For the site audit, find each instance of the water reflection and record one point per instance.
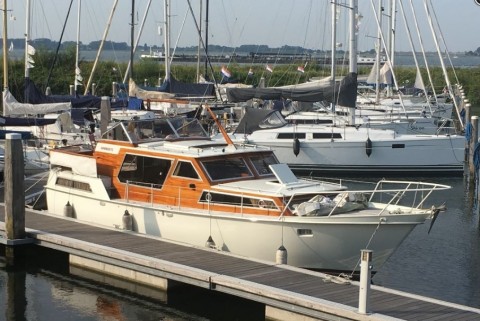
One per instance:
(445, 263)
(47, 290)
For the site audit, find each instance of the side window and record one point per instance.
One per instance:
(185, 169)
(144, 171)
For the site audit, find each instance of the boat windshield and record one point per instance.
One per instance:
(226, 168)
(163, 128)
(273, 120)
(262, 162)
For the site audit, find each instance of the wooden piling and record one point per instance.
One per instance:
(16, 301)
(114, 89)
(94, 89)
(72, 90)
(105, 114)
(14, 193)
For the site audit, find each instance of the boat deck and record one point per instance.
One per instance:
(278, 286)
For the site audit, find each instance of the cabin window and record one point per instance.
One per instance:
(185, 169)
(226, 168)
(313, 121)
(261, 163)
(65, 182)
(236, 200)
(291, 135)
(144, 170)
(327, 135)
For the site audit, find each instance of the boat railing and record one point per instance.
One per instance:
(388, 193)
(247, 204)
(420, 192)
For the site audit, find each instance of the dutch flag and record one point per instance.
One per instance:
(269, 69)
(226, 73)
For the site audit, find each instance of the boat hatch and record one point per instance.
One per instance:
(283, 173)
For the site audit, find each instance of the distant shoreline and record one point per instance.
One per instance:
(402, 58)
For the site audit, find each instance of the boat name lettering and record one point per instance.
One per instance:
(110, 149)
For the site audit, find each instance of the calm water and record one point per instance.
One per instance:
(401, 60)
(444, 264)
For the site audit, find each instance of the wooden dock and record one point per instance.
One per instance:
(288, 293)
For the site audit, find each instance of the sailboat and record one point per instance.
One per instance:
(348, 148)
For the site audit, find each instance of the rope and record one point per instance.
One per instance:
(476, 157)
(468, 131)
(366, 247)
(462, 114)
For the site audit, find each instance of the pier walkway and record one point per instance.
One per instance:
(289, 293)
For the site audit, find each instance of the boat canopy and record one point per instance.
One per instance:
(181, 89)
(259, 118)
(12, 107)
(343, 93)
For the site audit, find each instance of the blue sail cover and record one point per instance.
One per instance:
(25, 121)
(181, 89)
(33, 95)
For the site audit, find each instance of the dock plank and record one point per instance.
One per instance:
(294, 281)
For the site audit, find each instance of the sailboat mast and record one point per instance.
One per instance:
(99, 51)
(207, 9)
(352, 59)
(132, 38)
(379, 50)
(392, 21)
(199, 41)
(27, 39)
(353, 48)
(167, 39)
(334, 46)
(5, 50)
(127, 72)
(444, 69)
(77, 68)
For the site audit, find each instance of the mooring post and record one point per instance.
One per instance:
(14, 192)
(465, 124)
(105, 114)
(365, 279)
(473, 144)
(94, 89)
(114, 89)
(72, 90)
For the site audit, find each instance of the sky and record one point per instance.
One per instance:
(304, 23)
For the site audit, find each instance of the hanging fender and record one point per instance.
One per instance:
(296, 146)
(368, 147)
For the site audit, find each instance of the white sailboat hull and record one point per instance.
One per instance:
(348, 151)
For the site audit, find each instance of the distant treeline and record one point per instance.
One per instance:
(473, 53)
(61, 75)
(48, 44)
